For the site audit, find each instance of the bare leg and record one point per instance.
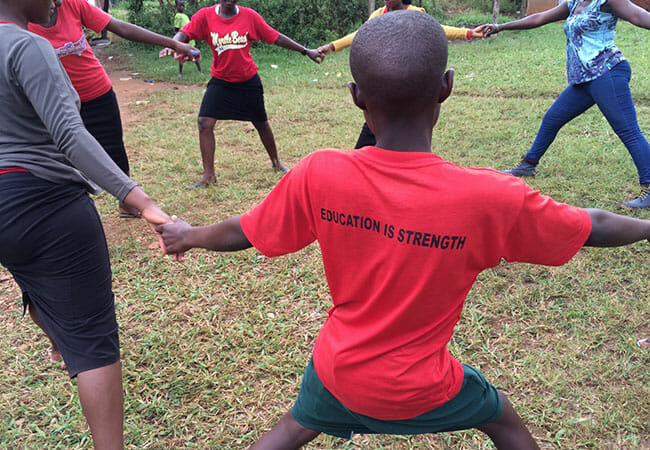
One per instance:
(266, 135)
(207, 144)
(55, 354)
(509, 431)
(286, 435)
(102, 401)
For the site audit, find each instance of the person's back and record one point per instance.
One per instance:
(403, 235)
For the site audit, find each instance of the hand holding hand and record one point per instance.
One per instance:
(315, 55)
(174, 236)
(185, 52)
(490, 29)
(325, 49)
(478, 32)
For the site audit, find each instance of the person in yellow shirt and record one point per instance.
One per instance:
(180, 20)
(367, 137)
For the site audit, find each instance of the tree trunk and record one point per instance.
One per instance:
(524, 7)
(495, 11)
(371, 6)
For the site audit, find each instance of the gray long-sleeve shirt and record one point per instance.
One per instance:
(40, 126)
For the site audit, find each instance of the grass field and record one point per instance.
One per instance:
(213, 349)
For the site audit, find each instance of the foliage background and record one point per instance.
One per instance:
(312, 22)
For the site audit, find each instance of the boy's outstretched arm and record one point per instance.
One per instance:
(613, 230)
(226, 236)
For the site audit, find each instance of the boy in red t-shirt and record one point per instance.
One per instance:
(424, 229)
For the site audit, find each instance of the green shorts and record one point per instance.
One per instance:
(478, 403)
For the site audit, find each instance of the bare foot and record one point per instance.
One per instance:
(203, 182)
(279, 166)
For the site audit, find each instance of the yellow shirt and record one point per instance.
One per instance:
(451, 32)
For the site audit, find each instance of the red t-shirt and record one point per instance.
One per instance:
(230, 40)
(67, 37)
(403, 237)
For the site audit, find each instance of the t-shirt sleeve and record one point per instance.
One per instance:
(91, 16)
(263, 31)
(546, 231)
(48, 89)
(283, 222)
(197, 28)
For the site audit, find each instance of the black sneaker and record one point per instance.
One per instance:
(526, 168)
(642, 200)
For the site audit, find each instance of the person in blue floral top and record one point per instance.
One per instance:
(598, 73)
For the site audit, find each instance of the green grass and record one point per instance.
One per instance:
(213, 349)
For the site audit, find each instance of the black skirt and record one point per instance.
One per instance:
(53, 243)
(101, 117)
(234, 101)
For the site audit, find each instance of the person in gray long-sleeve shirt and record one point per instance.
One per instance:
(51, 238)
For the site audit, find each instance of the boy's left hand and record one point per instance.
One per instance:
(174, 236)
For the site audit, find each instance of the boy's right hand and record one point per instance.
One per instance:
(174, 236)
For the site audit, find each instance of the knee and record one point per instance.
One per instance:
(205, 124)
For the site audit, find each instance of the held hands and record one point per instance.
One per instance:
(315, 55)
(173, 235)
(151, 212)
(478, 32)
(183, 52)
(325, 49)
(489, 29)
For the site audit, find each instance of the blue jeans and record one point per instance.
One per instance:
(611, 92)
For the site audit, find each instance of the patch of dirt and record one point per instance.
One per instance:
(131, 86)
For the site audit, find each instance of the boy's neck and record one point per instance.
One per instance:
(405, 135)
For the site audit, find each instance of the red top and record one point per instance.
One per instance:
(230, 40)
(67, 37)
(403, 237)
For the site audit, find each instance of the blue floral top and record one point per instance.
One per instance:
(590, 50)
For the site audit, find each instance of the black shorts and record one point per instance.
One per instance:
(53, 243)
(101, 118)
(234, 101)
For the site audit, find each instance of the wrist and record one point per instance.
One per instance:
(303, 52)
(469, 35)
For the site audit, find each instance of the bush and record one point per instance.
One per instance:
(309, 22)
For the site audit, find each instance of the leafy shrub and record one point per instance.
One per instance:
(312, 22)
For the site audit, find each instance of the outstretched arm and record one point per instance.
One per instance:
(560, 12)
(137, 34)
(627, 10)
(288, 43)
(226, 236)
(613, 230)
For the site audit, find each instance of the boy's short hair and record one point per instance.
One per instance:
(399, 58)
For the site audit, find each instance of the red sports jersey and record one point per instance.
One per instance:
(403, 237)
(67, 37)
(230, 40)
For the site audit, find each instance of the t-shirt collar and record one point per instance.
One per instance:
(218, 7)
